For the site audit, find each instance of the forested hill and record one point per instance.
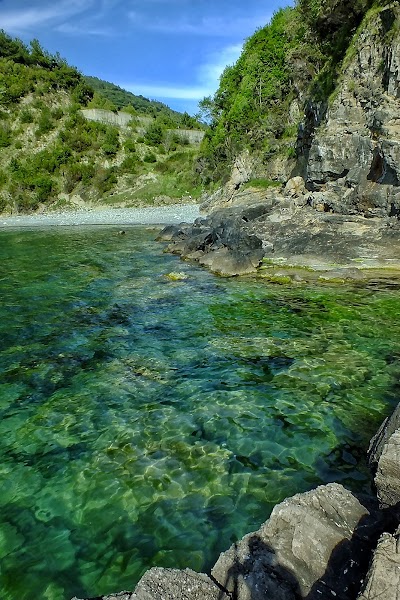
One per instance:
(285, 67)
(52, 157)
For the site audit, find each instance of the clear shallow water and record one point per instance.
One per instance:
(152, 422)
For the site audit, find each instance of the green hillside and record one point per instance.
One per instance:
(51, 156)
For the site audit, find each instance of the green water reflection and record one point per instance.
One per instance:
(147, 422)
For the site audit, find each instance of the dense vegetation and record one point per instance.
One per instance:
(50, 154)
(260, 100)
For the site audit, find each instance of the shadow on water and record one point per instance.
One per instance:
(260, 576)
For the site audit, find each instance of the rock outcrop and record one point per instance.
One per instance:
(384, 459)
(345, 206)
(284, 228)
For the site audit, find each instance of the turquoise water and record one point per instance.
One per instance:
(147, 422)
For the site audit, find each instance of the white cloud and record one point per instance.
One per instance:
(20, 19)
(205, 84)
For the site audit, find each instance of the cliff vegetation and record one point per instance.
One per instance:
(287, 66)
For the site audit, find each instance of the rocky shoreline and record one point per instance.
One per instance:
(282, 236)
(326, 543)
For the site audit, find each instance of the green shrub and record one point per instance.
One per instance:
(5, 135)
(130, 145)
(76, 173)
(105, 179)
(26, 116)
(43, 187)
(129, 164)
(3, 178)
(111, 143)
(45, 123)
(149, 157)
(3, 203)
(57, 113)
(154, 134)
(262, 183)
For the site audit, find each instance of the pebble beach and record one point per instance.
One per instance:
(154, 215)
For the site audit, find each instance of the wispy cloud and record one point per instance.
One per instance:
(205, 82)
(223, 26)
(85, 29)
(21, 19)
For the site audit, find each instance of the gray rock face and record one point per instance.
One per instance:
(315, 545)
(387, 478)
(383, 580)
(172, 584)
(382, 436)
(384, 459)
(219, 242)
(358, 144)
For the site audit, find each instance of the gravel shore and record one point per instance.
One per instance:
(155, 215)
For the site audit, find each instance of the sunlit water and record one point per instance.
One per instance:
(147, 422)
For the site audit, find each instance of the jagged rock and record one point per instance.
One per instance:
(315, 545)
(384, 460)
(171, 584)
(118, 596)
(295, 187)
(220, 242)
(382, 436)
(383, 580)
(234, 240)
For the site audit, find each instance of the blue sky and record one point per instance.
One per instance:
(169, 50)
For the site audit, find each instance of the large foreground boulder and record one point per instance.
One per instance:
(172, 584)
(314, 545)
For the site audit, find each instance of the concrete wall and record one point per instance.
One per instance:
(122, 119)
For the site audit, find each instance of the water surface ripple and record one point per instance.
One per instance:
(146, 421)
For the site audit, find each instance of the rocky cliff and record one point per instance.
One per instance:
(354, 156)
